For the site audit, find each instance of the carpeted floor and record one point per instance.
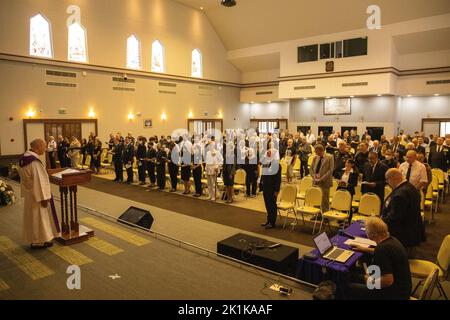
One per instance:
(250, 220)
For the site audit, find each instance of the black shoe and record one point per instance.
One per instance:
(270, 226)
(265, 224)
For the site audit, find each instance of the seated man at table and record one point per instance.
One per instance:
(394, 278)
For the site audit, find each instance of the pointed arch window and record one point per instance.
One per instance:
(197, 64)
(77, 50)
(40, 37)
(158, 63)
(134, 53)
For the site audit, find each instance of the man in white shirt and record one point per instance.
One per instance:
(310, 138)
(414, 171)
(214, 160)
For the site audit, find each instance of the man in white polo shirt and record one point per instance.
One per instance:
(414, 171)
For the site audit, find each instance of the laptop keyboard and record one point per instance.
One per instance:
(336, 253)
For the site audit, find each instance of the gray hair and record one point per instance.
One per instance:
(36, 143)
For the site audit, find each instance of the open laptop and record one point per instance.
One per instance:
(327, 251)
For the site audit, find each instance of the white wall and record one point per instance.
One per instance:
(110, 22)
(413, 109)
(26, 89)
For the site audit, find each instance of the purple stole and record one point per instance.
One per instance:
(27, 160)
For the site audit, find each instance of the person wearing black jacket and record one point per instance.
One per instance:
(117, 159)
(141, 154)
(97, 155)
(174, 167)
(439, 157)
(128, 157)
(271, 179)
(90, 150)
(151, 159)
(374, 176)
(197, 167)
(62, 148)
(161, 159)
(361, 157)
(348, 177)
(340, 159)
(402, 211)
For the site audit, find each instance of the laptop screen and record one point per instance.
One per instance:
(323, 243)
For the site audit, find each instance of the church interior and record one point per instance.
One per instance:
(141, 136)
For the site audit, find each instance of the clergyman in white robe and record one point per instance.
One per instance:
(38, 224)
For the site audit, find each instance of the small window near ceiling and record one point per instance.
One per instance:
(308, 53)
(40, 37)
(355, 47)
(325, 51)
(158, 63)
(77, 50)
(197, 64)
(134, 53)
(338, 49)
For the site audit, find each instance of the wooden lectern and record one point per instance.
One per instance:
(71, 231)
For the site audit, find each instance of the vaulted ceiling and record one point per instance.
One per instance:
(258, 22)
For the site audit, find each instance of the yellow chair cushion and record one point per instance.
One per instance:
(355, 204)
(357, 217)
(335, 215)
(422, 268)
(308, 210)
(284, 205)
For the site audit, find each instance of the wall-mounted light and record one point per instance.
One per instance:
(31, 113)
(220, 115)
(190, 115)
(91, 114)
(163, 116)
(131, 116)
(436, 94)
(269, 101)
(379, 95)
(252, 102)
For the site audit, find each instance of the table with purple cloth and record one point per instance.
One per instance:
(316, 271)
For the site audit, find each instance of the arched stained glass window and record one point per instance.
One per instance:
(134, 53)
(197, 65)
(158, 63)
(77, 50)
(40, 37)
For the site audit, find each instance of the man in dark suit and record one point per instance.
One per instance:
(374, 176)
(128, 157)
(402, 211)
(271, 180)
(439, 157)
(396, 146)
(117, 159)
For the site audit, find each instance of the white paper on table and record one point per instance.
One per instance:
(352, 243)
(67, 171)
(365, 241)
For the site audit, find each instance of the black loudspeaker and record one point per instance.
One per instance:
(137, 217)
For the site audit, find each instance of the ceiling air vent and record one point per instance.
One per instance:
(263, 93)
(305, 88)
(61, 84)
(355, 84)
(61, 74)
(124, 89)
(433, 82)
(167, 92)
(167, 84)
(125, 80)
